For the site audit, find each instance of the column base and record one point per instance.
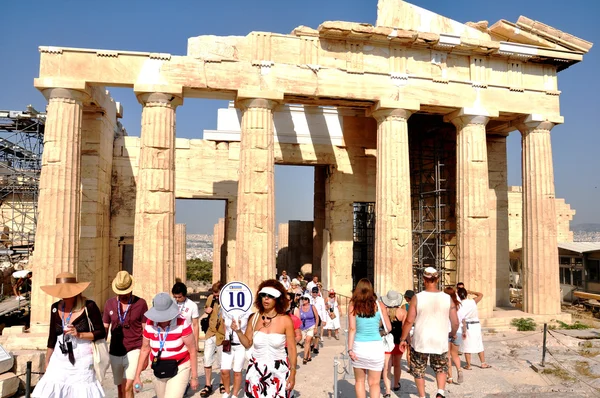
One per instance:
(503, 316)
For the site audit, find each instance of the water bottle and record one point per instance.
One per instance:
(137, 387)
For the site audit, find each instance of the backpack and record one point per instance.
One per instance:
(205, 322)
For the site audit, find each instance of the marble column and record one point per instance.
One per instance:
(320, 176)
(59, 203)
(393, 223)
(219, 271)
(154, 236)
(180, 253)
(474, 266)
(255, 243)
(541, 289)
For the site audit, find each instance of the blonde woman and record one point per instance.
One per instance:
(397, 315)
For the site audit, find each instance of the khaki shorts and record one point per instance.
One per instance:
(418, 363)
(124, 367)
(175, 386)
(310, 332)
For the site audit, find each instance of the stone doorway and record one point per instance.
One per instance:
(363, 247)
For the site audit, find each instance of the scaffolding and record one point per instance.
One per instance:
(21, 145)
(432, 157)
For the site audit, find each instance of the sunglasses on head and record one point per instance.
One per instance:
(263, 295)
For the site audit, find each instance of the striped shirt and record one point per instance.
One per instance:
(174, 347)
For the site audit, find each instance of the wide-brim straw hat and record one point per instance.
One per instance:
(392, 299)
(123, 283)
(164, 308)
(66, 286)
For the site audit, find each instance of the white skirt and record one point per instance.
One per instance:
(63, 380)
(473, 343)
(333, 324)
(369, 355)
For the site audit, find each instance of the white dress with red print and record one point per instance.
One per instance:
(268, 368)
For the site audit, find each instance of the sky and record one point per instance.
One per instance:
(161, 26)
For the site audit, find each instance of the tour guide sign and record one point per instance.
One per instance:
(236, 299)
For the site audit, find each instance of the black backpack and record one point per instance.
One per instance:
(205, 322)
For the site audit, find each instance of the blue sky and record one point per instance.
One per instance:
(161, 26)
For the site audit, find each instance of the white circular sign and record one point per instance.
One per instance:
(236, 298)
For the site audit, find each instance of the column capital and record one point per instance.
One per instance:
(385, 109)
(466, 116)
(247, 103)
(266, 99)
(529, 123)
(166, 94)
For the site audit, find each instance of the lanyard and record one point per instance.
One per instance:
(122, 319)
(161, 341)
(182, 308)
(66, 321)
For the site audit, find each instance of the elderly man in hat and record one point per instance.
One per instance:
(430, 311)
(124, 316)
(319, 303)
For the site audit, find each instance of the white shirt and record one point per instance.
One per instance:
(188, 310)
(286, 284)
(319, 304)
(310, 285)
(431, 323)
(242, 321)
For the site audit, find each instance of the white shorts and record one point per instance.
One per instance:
(310, 332)
(211, 351)
(234, 359)
(124, 367)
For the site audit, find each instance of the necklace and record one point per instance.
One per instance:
(267, 320)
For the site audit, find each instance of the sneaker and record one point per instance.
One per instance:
(225, 395)
(438, 395)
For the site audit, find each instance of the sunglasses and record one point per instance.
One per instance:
(263, 295)
(332, 295)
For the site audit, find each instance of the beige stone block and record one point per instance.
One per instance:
(37, 359)
(9, 384)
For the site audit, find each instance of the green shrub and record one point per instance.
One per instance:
(523, 324)
(199, 270)
(576, 325)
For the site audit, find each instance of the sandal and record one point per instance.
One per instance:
(397, 388)
(460, 378)
(449, 380)
(304, 361)
(485, 365)
(467, 367)
(206, 391)
(387, 395)
(221, 389)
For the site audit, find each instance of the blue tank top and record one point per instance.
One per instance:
(367, 329)
(307, 318)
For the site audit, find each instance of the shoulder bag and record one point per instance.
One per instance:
(100, 352)
(205, 322)
(388, 338)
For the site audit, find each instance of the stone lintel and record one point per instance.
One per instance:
(391, 105)
(272, 95)
(475, 115)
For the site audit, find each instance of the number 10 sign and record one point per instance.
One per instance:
(236, 298)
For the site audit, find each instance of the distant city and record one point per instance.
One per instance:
(201, 246)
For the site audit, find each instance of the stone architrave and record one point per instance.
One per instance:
(541, 289)
(393, 223)
(472, 206)
(154, 237)
(59, 203)
(255, 243)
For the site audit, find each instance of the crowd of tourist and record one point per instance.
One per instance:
(431, 326)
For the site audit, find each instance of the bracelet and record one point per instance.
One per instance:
(350, 350)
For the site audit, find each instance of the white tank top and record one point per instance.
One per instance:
(431, 323)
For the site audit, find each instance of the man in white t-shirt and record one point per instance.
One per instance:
(188, 310)
(311, 284)
(319, 303)
(430, 312)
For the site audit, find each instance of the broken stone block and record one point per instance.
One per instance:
(9, 384)
(37, 358)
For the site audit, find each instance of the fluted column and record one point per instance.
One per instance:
(154, 236)
(393, 225)
(59, 203)
(472, 208)
(255, 243)
(541, 290)
(180, 253)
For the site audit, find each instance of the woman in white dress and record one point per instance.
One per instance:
(69, 358)
(472, 341)
(333, 324)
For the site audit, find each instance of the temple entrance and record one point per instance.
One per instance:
(363, 247)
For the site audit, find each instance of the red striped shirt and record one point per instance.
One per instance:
(174, 347)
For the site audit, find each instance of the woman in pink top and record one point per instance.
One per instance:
(168, 338)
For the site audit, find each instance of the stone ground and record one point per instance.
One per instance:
(572, 370)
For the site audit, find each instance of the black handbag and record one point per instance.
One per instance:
(164, 368)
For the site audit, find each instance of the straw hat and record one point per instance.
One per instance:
(392, 299)
(164, 308)
(123, 283)
(66, 286)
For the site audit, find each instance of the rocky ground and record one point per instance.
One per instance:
(572, 369)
